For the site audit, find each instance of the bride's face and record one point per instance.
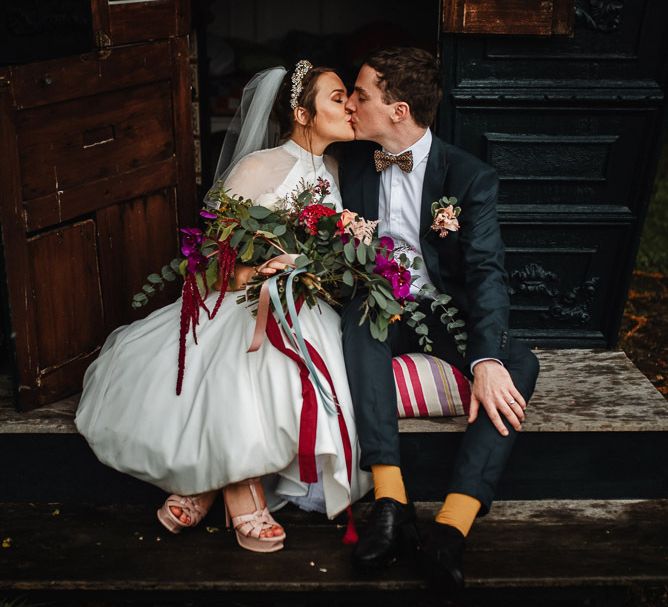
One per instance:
(332, 120)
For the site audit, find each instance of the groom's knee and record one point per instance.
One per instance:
(524, 368)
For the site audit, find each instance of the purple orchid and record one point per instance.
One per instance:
(386, 243)
(207, 214)
(191, 240)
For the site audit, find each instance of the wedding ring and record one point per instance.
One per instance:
(512, 402)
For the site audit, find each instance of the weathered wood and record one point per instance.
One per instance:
(146, 227)
(49, 82)
(510, 17)
(519, 545)
(69, 321)
(106, 137)
(577, 391)
(126, 130)
(63, 206)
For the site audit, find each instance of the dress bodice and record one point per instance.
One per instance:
(269, 176)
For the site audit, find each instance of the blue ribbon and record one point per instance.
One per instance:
(297, 339)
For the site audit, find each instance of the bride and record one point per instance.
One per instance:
(239, 415)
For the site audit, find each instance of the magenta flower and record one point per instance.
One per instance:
(197, 262)
(386, 243)
(398, 277)
(191, 240)
(207, 214)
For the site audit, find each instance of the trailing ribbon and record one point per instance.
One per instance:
(295, 335)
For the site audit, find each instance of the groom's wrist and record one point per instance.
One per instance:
(480, 360)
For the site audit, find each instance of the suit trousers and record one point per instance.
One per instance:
(483, 453)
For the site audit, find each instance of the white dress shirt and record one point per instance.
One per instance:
(399, 205)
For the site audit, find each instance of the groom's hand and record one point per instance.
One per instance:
(495, 391)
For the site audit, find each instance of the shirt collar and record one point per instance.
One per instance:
(420, 148)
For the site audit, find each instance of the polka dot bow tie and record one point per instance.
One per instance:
(382, 160)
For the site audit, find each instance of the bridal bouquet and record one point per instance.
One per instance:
(329, 255)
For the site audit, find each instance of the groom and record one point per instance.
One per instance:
(394, 175)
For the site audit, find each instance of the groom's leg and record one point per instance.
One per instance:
(371, 380)
(483, 454)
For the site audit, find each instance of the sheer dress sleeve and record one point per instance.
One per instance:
(260, 173)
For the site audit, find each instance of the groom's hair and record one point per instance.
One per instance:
(409, 75)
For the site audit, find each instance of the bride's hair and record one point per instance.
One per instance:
(282, 113)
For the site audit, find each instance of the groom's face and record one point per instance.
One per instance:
(371, 116)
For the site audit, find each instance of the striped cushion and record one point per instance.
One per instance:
(429, 387)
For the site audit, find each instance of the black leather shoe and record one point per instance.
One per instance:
(441, 552)
(390, 529)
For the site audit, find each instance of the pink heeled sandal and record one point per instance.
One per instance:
(248, 527)
(190, 505)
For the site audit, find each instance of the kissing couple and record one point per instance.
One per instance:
(238, 426)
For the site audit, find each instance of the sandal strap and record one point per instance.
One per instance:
(253, 524)
(190, 505)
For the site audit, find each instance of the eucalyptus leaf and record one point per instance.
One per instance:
(348, 278)
(349, 251)
(154, 279)
(302, 261)
(380, 299)
(175, 264)
(167, 273)
(259, 212)
(148, 289)
(361, 253)
(393, 307)
(422, 329)
(374, 330)
(279, 230)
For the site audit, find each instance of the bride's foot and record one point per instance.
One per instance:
(246, 507)
(185, 511)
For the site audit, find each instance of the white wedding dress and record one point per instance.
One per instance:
(238, 415)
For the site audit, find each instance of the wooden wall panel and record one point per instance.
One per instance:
(93, 73)
(145, 230)
(509, 17)
(74, 142)
(66, 294)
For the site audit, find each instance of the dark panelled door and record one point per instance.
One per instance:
(96, 175)
(565, 98)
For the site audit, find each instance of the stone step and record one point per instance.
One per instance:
(579, 549)
(595, 429)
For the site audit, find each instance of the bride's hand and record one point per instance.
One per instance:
(244, 273)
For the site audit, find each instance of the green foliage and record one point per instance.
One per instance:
(156, 282)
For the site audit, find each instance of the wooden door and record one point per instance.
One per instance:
(566, 100)
(97, 175)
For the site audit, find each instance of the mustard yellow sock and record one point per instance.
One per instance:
(459, 511)
(388, 482)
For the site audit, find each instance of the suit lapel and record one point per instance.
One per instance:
(432, 190)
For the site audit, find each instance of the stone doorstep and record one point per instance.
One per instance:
(577, 391)
(520, 545)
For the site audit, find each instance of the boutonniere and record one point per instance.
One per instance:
(445, 212)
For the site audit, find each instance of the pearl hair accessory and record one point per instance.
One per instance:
(301, 69)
